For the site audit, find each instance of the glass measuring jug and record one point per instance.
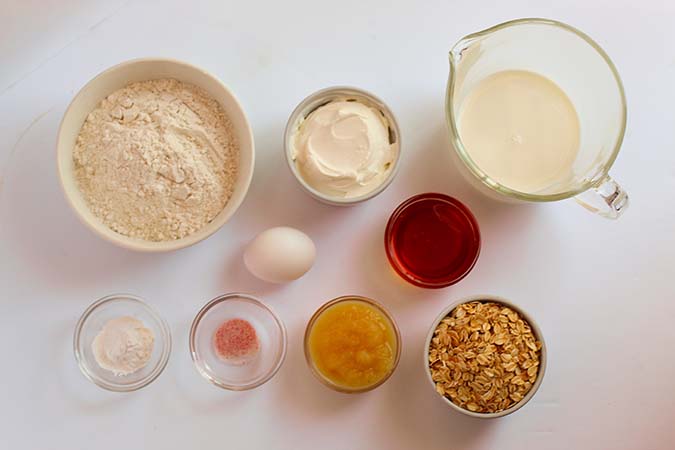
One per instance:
(583, 71)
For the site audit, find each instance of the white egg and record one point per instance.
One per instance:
(280, 255)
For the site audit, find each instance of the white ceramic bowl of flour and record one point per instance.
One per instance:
(118, 77)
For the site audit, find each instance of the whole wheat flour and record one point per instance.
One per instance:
(157, 160)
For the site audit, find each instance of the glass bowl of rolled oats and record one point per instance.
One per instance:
(485, 356)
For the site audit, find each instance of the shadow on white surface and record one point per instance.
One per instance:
(496, 220)
(77, 392)
(245, 281)
(441, 174)
(42, 233)
(193, 394)
(303, 393)
(417, 417)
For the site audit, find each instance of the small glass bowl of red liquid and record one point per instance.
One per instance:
(432, 240)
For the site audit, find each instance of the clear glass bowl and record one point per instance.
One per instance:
(454, 233)
(320, 376)
(269, 328)
(92, 321)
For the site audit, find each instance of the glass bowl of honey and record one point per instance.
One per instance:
(432, 240)
(352, 344)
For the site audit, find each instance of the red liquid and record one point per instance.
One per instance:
(432, 240)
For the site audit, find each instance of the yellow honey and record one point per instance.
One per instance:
(353, 344)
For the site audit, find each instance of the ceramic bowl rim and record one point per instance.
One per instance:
(103, 231)
(535, 329)
(299, 113)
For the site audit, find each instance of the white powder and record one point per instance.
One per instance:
(123, 346)
(157, 160)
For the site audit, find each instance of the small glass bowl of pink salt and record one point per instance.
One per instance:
(237, 342)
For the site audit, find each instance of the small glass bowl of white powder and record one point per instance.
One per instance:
(121, 343)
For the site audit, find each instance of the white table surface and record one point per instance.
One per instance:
(602, 291)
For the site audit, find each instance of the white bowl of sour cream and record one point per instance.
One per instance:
(342, 145)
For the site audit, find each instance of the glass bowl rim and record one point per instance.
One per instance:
(466, 212)
(156, 371)
(308, 358)
(208, 375)
(458, 145)
(543, 358)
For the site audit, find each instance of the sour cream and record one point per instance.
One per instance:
(342, 149)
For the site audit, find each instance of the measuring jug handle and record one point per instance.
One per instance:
(607, 199)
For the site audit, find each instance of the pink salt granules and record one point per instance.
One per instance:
(236, 342)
